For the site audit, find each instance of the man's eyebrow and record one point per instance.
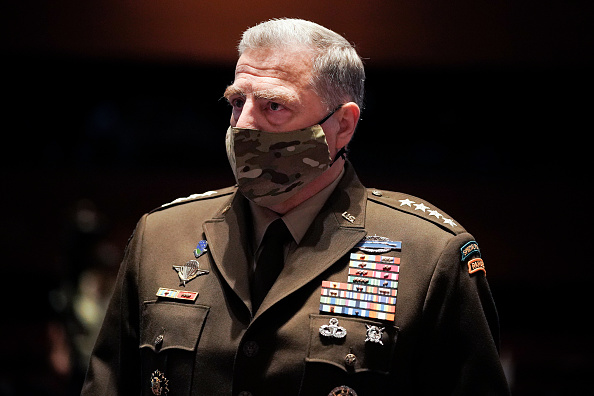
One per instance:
(276, 96)
(232, 90)
(268, 94)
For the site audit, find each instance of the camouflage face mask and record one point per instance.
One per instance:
(270, 167)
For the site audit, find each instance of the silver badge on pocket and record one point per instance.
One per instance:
(374, 334)
(333, 330)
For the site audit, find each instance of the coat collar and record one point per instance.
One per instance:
(336, 230)
(229, 240)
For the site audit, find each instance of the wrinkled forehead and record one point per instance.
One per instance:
(290, 66)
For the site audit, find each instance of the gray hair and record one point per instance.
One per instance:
(338, 73)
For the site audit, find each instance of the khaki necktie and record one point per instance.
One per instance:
(271, 261)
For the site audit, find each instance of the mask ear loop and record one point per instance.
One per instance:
(342, 152)
(323, 120)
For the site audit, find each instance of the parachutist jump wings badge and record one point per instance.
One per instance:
(189, 271)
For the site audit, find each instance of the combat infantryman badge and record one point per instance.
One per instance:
(374, 334)
(378, 244)
(189, 271)
(159, 384)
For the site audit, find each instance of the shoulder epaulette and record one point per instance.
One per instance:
(417, 207)
(197, 197)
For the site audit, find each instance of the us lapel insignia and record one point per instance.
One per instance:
(378, 244)
(159, 384)
(189, 271)
(349, 217)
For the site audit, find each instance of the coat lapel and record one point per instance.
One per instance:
(228, 235)
(335, 231)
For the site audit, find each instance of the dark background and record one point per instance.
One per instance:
(113, 108)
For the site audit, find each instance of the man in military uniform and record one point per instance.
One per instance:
(352, 292)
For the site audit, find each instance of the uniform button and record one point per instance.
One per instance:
(244, 393)
(251, 348)
(350, 359)
(158, 342)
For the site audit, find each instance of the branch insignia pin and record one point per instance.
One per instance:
(374, 334)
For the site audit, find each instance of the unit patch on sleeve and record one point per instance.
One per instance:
(469, 249)
(476, 265)
(370, 291)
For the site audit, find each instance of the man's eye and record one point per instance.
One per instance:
(275, 106)
(239, 102)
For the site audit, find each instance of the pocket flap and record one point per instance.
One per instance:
(167, 325)
(369, 355)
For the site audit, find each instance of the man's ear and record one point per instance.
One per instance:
(348, 117)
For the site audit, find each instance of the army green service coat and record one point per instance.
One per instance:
(444, 340)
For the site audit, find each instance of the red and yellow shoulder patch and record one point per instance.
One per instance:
(476, 265)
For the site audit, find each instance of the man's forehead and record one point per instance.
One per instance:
(280, 60)
(275, 93)
(292, 67)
